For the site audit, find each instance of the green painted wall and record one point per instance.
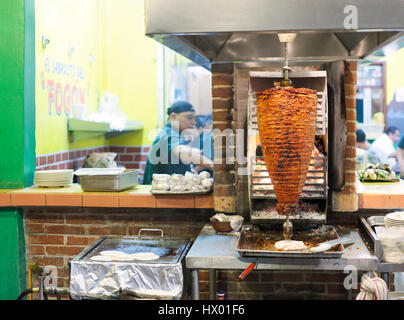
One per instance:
(17, 133)
(12, 255)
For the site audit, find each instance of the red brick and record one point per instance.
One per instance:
(350, 78)
(351, 126)
(82, 241)
(222, 92)
(282, 277)
(50, 261)
(351, 140)
(303, 287)
(222, 79)
(64, 229)
(221, 115)
(42, 160)
(34, 228)
(246, 287)
(325, 277)
(222, 103)
(350, 95)
(35, 250)
(63, 250)
(50, 159)
(65, 156)
(125, 157)
(335, 288)
(85, 219)
(233, 276)
(350, 152)
(110, 230)
(350, 104)
(45, 239)
(350, 164)
(133, 149)
(351, 114)
(117, 149)
(139, 158)
(351, 65)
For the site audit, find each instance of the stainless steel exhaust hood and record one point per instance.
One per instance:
(239, 31)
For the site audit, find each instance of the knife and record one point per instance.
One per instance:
(324, 246)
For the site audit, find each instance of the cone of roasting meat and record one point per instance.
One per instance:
(287, 123)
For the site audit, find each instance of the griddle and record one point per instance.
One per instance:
(260, 243)
(170, 250)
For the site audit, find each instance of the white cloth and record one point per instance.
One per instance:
(382, 147)
(373, 289)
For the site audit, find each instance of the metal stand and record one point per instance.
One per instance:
(212, 284)
(195, 284)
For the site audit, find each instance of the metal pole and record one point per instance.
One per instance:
(386, 278)
(212, 284)
(195, 284)
(348, 294)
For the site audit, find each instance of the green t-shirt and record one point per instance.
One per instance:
(160, 159)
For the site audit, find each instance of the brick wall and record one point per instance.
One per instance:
(131, 157)
(347, 199)
(224, 190)
(277, 285)
(53, 236)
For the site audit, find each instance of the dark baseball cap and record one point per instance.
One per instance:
(180, 106)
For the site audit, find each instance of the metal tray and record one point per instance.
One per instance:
(117, 182)
(170, 250)
(319, 235)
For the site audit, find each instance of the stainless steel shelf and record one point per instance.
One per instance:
(83, 129)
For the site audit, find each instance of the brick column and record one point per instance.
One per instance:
(224, 191)
(347, 199)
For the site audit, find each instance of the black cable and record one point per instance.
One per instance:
(24, 293)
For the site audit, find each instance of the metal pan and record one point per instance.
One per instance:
(258, 243)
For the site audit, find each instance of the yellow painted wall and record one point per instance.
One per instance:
(394, 73)
(61, 77)
(112, 31)
(130, 67)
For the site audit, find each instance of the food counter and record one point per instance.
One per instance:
(218, 251)
(382, 195)
(73, 196)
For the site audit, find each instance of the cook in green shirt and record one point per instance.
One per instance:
(170, 152)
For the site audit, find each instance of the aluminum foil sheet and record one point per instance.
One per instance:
(106, 280)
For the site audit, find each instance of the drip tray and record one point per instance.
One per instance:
(259, 243)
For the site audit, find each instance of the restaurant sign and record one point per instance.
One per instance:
(63, 83)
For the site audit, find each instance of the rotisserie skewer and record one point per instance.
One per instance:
(287, 123)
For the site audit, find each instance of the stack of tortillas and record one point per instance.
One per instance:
(113, 255)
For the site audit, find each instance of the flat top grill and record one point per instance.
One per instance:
(170, 250)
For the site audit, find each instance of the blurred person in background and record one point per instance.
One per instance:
(171, 151)
(384, 149)
(362, 149)
(205, 140)
(400, 157)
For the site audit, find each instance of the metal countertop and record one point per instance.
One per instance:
(213, 250)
